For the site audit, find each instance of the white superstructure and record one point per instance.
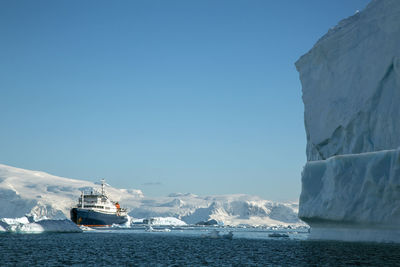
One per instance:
(99, 202)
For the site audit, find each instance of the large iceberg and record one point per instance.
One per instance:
(351, 95)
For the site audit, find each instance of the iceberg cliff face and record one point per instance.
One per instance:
(350, 81)
(353, 197)
(351, 94)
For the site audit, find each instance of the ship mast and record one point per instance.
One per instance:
(102, 187)
(83, 199)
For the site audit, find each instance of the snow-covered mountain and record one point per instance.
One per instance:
(227, 209)
(40, 194)
(24, 191)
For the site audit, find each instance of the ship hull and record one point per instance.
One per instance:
(94, 218)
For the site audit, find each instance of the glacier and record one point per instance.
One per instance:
(40, 196)
(350, 82)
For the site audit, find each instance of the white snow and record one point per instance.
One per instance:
(43, 196)
(167, 221)
(40, 194)
(15, 221)
(226, 209)
(351, 81)
(24, 225)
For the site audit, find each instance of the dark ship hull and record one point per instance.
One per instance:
(94, 218)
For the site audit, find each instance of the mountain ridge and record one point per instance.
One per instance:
(39, 194)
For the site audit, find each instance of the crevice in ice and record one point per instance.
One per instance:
(361, 134)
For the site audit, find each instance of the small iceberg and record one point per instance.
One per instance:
(86, 228)
(162, 221)
(216, 234)
(278, 235)
(151, 229)
(228, 235)
(24, 225)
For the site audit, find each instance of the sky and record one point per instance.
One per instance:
(162, 96)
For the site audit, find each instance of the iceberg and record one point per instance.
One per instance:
(350, 81)
(353, 197)
(26, 225)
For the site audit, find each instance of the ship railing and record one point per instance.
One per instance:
(91, 191)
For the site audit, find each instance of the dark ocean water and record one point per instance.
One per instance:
(146, 249)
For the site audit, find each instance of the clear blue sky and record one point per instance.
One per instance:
(163, 96)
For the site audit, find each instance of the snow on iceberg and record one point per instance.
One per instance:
(351, 81)
(24, 225)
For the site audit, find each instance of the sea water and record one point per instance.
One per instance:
(187, 247)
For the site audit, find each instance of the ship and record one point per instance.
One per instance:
(95, 209)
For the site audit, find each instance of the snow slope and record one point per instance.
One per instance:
(40, 194)
(351, 94)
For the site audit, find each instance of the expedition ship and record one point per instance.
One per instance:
(95, 209)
